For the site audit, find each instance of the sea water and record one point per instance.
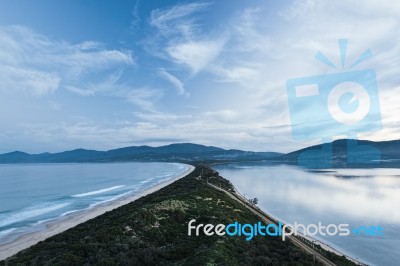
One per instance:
(32, 194)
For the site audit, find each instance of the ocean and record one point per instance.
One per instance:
(33, 194)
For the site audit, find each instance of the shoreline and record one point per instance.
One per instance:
(271, 219)
(323, 243)
(328, 246)
(62, 224)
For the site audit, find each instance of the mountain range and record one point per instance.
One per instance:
(181, 152)
(347, 153)
(339, 153)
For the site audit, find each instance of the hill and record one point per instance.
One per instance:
(347, 153)
(180, 152)
(339, 153)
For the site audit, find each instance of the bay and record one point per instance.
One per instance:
(358, 197)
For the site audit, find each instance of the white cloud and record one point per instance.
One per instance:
(135, 14)
(33, 63)
(145, 97)
(79, 91)
(299, 8)
(259, 59)
(27, 80)
(256, 52)
(181, 38)
(89, 45)
(173, 80)
(178, 19)
(224, 116)
(195, 54)
(239, 74)
(161, 118)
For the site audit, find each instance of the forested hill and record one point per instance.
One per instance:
(181, 152)
(347, 153)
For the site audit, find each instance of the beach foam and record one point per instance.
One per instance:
(30, 212)
(40, 221)
(95, 192)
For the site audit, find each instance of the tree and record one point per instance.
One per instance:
(253, 201)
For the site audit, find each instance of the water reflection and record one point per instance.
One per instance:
(353, 196)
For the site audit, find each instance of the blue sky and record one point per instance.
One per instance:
(109, 74)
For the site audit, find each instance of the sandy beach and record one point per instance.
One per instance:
(73, 219)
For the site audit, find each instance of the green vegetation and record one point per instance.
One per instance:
(179, 152)
(153, 231)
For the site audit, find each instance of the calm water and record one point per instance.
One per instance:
(358, 197)
(31, 194)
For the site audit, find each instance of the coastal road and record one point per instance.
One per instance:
(268, 220)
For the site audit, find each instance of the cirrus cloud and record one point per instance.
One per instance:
(35, 64)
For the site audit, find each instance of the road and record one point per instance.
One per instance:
(268, 220)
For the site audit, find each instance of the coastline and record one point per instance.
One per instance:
(73, 219)
(322, 243)
(295, 239)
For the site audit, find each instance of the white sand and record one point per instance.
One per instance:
(73, 219)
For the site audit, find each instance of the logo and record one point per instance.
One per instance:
(249, 231)
(337, 104)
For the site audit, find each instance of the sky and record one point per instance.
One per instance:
(108, 74)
